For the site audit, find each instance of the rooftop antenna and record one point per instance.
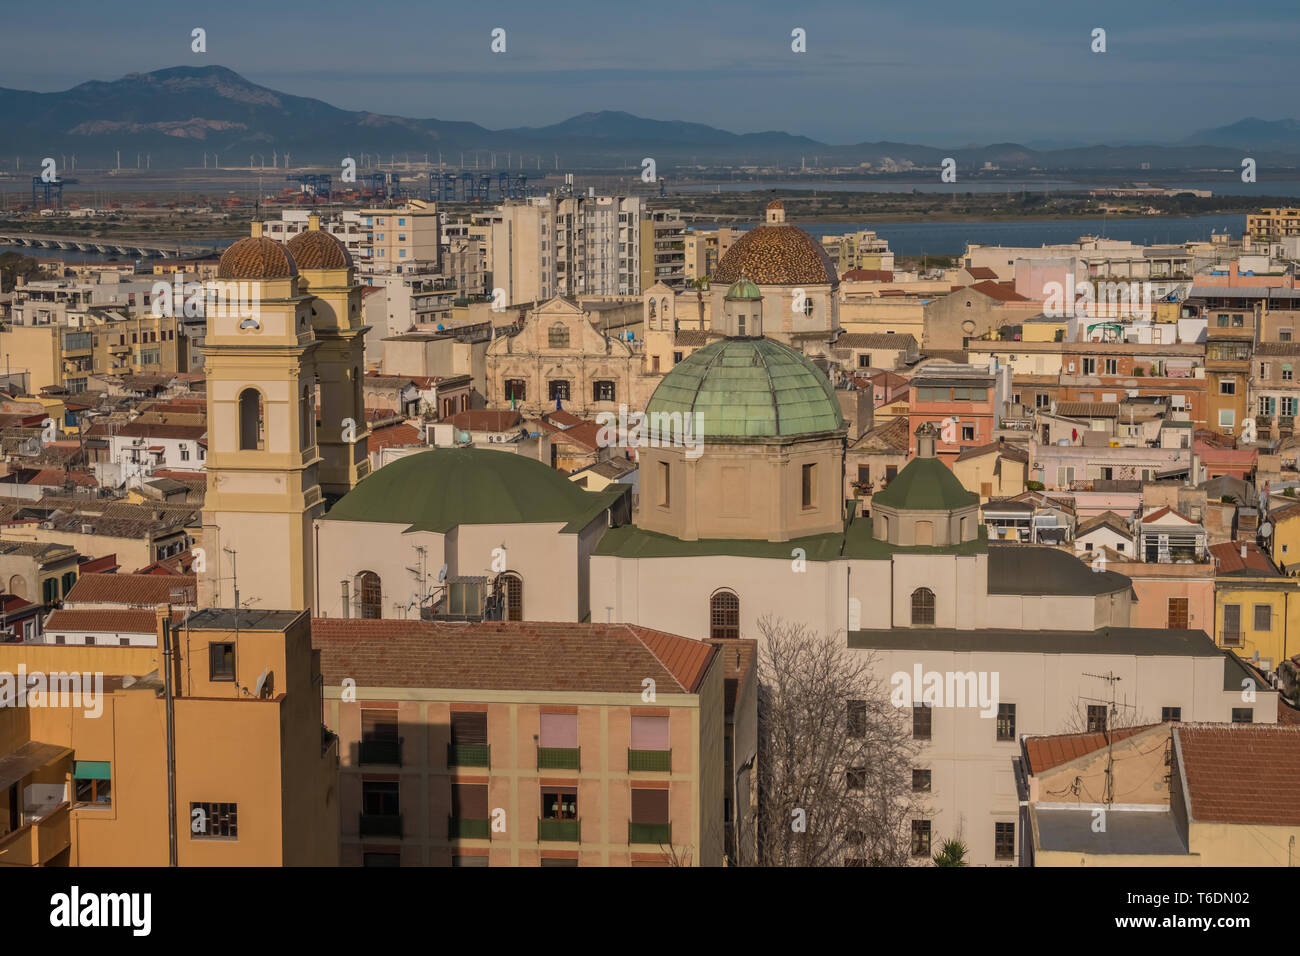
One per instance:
(1108, 795)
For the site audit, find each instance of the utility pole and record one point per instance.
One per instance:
(1108, 794)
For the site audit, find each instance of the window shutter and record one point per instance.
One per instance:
(469, 801)
(649, 806)
(469, 729)
(559, 730)
(379, 724)
(650, 733)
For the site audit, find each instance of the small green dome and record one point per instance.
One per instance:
(925, 484)
(744, 290)
(438, 489)
(750, 389)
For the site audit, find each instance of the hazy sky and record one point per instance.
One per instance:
(942, 72)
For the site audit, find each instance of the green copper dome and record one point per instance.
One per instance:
(925, 484)
(750, 389)
(744, 289)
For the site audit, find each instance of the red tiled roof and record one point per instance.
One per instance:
(113, 621)
(496, 655)
(9, 603)
(1241, 773)
(869, 275)
(392, 436)
(485, 420)
(996, 290)
(981, 272)
(1228, 558)
(57, 476)
(99, 565)
(137, 590)
(1047, 752)
(1157, 515)
(562, 418)
(583, 433)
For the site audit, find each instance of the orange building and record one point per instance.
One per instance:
(84, 778)
(521, 744)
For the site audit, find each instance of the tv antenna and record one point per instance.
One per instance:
(1112, 709)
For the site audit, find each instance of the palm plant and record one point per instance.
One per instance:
(952, 853)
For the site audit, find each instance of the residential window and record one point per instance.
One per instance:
(922, 608)
(1170, 713)
(221, 661)
(857, 718)
(650, 821)
(1042, 400)
(516, 390)
(920, 781)
(469, 811)
(1263, 617)
(864, 474)
(469, 739)
(808, 491)
(1096, 718)
(558, 390)
(602, 391)
(1090, 366)
(1112, 368)
(1243, 715)
(920, 838)
(214, 820)
(1232, 625)
(1006, 722)
(380, 798)
(92, 783)
(1227, 386)
(1004, 841)
(1286, 373)
(968, 433)
(724, 615)
(677, 357)
(864, 360)
(560, 803)
(1177, 614)
(379, 740)
(922, 721)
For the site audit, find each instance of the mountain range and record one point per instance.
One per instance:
(178, 114)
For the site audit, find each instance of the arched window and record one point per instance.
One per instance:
(652, 309)
(307, 416)
(724, 615)
(250, 420)
(510, 587)
(923, 608)
(808, 306)
(464, 403)
(370, 595)
(558, 336)
(18, 586)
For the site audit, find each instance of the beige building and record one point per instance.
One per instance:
(492, 745)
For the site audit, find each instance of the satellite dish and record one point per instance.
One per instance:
(442, 574)
(264, 684)
(1265, 530)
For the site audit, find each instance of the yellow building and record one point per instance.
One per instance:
(1284, 542)
(522, 744)
(1273, 223)
(84, 777)
(106, 342)
(1256, 607)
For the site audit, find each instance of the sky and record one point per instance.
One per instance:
(942, 73)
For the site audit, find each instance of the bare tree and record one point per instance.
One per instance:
(835, 756)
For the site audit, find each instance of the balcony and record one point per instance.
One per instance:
(465, 828)
(469, 755)
(381, 825)
(1233, 638)
(37, 843)
(558, 758)
(659, 834)
(381, 752)
(649, 760)
(559, 831)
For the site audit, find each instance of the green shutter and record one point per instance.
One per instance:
(91, 769)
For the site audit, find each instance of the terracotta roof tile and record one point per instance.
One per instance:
(1052, 751)
(136, 590)
(1241, 773)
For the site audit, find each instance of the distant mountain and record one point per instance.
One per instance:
(178, 114)
(1252, 133)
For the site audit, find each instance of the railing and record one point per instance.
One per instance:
(381, 751)
(466, 828)
(1233, 638)
(558, 758)
(657, 833)
(469, 755)
(559, 831)
(649, 760)
(37, 843)
(381, 824)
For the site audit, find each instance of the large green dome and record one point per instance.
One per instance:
(750, 389)
(439, 489)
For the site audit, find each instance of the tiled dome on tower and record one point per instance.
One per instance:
(317, 249)
(777, 255)
(256, 257)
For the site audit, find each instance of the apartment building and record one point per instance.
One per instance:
(1256, 606)
(401, 239)
(859, 250)
(1273, 390)
(663, 254)
(965, 402)
(1230, 341)
(519, 239)
(85, 783)
(525, 744)
(1273, 223)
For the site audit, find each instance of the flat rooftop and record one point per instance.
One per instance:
(246, 619)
